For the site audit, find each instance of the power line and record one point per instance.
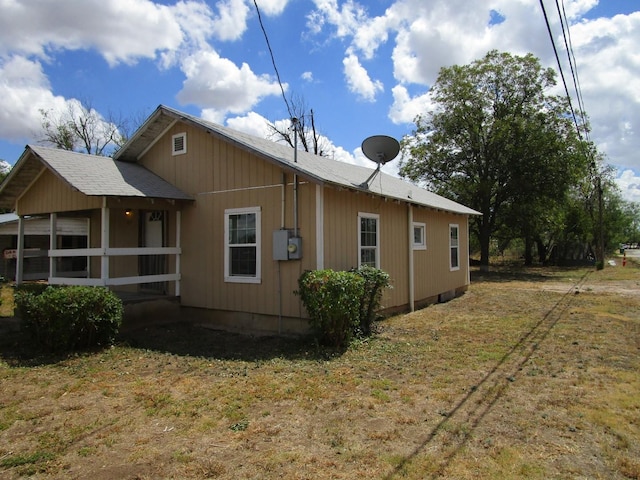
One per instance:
(572, 63)
(564, 82)
(273, 60)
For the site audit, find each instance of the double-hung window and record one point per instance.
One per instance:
(454, 247)
(369, 239)
(242, 262)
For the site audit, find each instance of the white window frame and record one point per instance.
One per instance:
(376, 248)
(227, 246)
(454, 245)
(422, 244)
(184, 144)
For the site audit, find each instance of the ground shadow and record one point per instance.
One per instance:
(472, 408)
(512, 271)
(178, 338)
(186, 339)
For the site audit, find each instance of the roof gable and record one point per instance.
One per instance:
(321, 170)
(90, 175)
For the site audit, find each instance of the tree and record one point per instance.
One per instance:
(498, 142)
(308, 138)
(81, 128)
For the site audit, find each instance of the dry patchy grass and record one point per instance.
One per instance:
(530, 374)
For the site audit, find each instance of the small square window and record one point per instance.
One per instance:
(419, 236)
(179, 144)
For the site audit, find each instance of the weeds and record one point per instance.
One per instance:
(518, 378)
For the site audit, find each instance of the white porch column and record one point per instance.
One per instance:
(104, 243)
(20, 251)
(53, 243)
(178, 245)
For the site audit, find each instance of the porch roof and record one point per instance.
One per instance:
(91, 175)
(321, 170)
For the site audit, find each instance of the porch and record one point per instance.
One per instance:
(101, 260)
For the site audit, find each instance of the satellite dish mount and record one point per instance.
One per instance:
(379, 149)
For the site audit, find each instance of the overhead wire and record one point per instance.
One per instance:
(273, 60)
(564, 81)
(566, 34)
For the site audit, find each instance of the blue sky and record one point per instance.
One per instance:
(364, 67)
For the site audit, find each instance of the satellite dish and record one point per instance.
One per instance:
(380, 149)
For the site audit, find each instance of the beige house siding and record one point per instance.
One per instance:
(431, 266)
(49, 194)
(221, 176)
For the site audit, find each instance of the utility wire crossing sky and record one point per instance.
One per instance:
(365, 68)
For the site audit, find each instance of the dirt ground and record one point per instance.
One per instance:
(530, 374)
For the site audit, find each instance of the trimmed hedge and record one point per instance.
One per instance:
(64, 319)
(342, 305)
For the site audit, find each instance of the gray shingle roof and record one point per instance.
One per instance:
(102, 176)
(322, 170)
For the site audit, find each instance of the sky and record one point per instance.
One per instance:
(364, 67)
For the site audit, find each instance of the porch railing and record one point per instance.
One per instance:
(106, 253)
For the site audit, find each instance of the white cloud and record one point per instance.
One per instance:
(231, 20)
(609, 73)
(121, 31)
(272, 7)
(359, 81)
(629, 183)
(217, 84)
(24, 91)
(346, 18)
(252, 123)
(307, 76)
(405, 108)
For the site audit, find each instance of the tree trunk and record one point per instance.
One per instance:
(528, 251)
(542, 251)
(485, 243)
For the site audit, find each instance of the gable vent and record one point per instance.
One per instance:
(179, 144)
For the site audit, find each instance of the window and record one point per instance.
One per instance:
(368, 240)
(179, 144)
(242, 245)
(454, 247)
(419, 236)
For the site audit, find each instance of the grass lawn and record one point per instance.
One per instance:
(530, 374)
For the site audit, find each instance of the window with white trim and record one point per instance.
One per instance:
(419, 236)
(242, 244)
(179, 143)
(454, 247)
(369, 239)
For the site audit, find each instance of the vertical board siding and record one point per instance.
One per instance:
(341, 210)
(220, 176)
(49, 194)
(431, 266)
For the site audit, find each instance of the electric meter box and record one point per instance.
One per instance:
(285, 246)
(295, 248)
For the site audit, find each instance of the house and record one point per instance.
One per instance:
(227, 222)
(71, 233)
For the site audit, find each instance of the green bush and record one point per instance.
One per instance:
(375, 281)
(62, 319)
(332, 300)
(342, 305)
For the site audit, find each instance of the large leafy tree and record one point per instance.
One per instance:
(499, 142)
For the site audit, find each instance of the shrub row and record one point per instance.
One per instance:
(342, 304)
(63, 319)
